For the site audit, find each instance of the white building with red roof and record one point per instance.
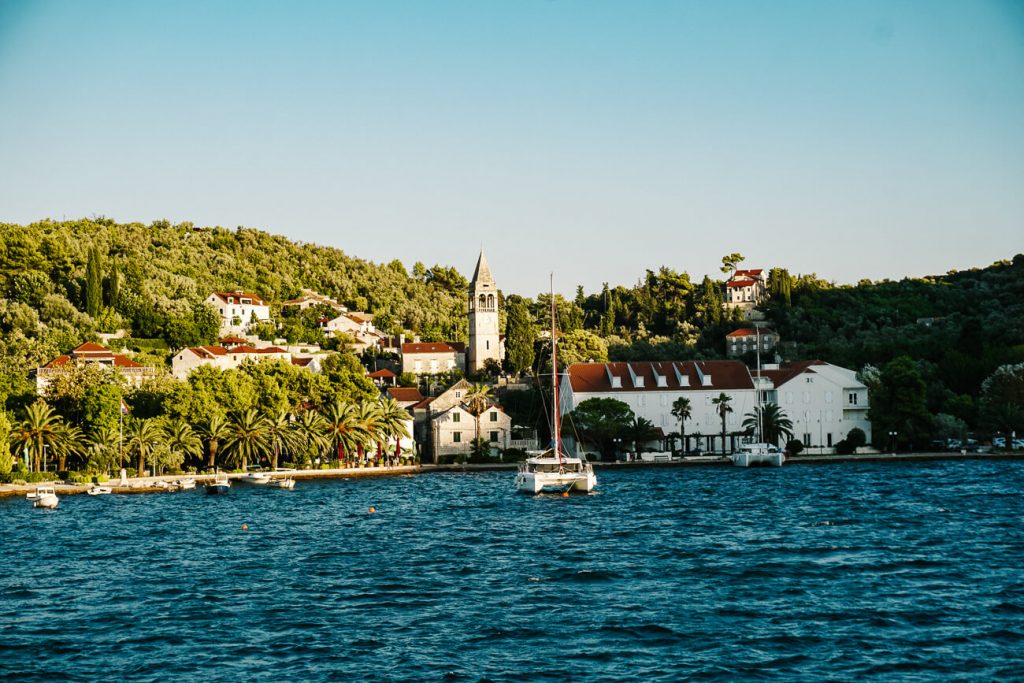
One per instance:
(650, 388)
(746, 289)
(432, 358)
(187, 360)
(823, 401)
(238, 310)
(92, 353)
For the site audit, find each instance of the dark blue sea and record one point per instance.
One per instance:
(847, 572)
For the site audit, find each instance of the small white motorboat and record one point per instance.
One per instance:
(285, 483)
(220, 484)
(187, 484)
(44, 497)
(258, 478)
(100, 491)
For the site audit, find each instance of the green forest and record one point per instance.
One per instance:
(942, 355)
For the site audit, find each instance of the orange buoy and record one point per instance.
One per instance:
(245, 526)
(565, 494)
(372, 510)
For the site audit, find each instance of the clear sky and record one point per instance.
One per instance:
(593, 139)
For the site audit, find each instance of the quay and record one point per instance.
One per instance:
(153, 484)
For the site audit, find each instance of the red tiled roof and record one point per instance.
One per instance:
(739, 283)
(422, 405)
(428, 347)
(302, 362)
(90, 347)
(749, 273)
(270, 349)
(405, 394)
(256, 299)
(244, 348)
(232, 340)
(790, 370)
(747, 332)
(383, 374)
(57, 362)
(725, 374)
(123, 362)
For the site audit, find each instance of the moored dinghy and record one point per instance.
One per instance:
(44, 497)
(221, 484)
(282, 483)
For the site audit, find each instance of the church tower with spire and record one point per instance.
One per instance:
(484, 340)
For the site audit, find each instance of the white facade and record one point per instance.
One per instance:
(237, 310)
(484, 337)
(650, 388)
(431, 358)
(187, 360)
(746, 289)
(823, 401)
(455, 428)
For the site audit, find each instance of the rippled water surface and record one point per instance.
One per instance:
(841, 572)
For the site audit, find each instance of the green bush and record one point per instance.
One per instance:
(794, 446)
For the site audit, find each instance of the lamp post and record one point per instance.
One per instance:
(892, 440)
(46, 448)
(617, 442)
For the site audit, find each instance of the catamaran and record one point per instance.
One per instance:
(759, 453)
(552, 470)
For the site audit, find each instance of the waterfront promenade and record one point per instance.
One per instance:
(158, 484)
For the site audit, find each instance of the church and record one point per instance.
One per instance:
(484, 336)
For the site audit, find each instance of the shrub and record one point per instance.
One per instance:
(794, 446)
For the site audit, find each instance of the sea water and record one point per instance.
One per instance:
(841, 572)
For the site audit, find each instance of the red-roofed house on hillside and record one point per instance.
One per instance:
(738, 342)
(238, 310)
(385, 377)
(134, 373)
(187, 360)
(746, 289)
(650, 388)
(432, 358)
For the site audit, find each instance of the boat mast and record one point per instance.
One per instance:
(555, 417)
(757, 385)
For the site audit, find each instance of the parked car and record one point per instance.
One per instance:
(1015, 444)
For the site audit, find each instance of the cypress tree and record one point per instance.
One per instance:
(93, 284)
(113, 287)
(519, 336)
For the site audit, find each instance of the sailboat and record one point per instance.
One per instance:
(553, 471)
(759, 453)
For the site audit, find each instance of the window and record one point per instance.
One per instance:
(494, 437)
(828, 397)
(829, 436)
(456, 437)
(807, 439)
(487, 344)
(809, 380)
(853, 398)
(456, 417)
(494, 416)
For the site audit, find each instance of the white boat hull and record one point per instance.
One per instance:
(99, 491)
(541, 482)
(48, 501)
(758, 457)
(283, 483)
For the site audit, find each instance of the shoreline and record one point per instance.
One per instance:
(151, 484)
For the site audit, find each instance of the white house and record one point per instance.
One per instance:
(309, 299)
(823, 401)
(237, 310)
(650, 388)
(187, 360)
(454, 429)
(746, 289)
(91, 353)
(431, 358)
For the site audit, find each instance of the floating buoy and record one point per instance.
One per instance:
(372, 510)
(565, 494)
(245, 526)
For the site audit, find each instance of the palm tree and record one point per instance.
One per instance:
(248, 437)
(344, 430)
(182, 441)
(682, 411)
(478, 397)
(144, 436)
(393, 419)
(282, 435)
(103, 443)
(640, 432)
(214, 431)
(37, 432)
(773, 423)
(311, 433)
(70, 442)
(722, 401)
(368, 414)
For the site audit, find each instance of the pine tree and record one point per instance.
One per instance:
(93, 284)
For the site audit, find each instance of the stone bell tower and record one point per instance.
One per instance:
(484, 341)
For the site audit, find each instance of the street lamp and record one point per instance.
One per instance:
(892, 440)
(617, 442)
(45, 450)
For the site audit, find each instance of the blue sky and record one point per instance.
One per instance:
(592, 139)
